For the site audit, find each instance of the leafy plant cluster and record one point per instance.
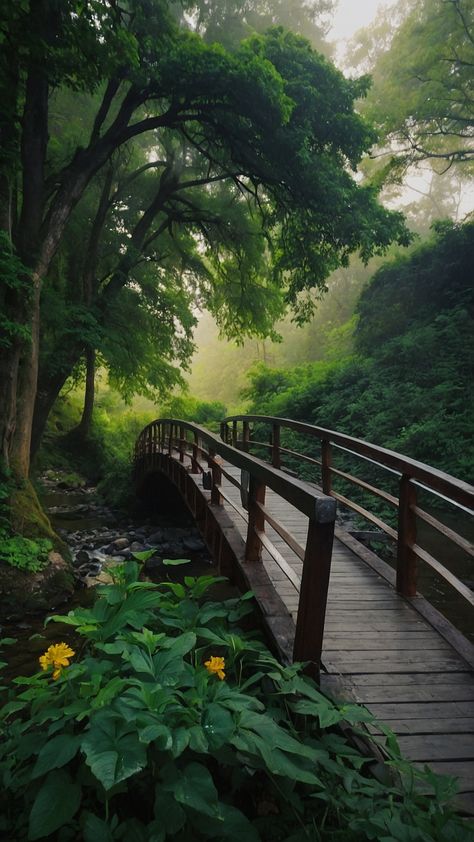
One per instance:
(408, 387)
(24, 553)
(15, 280)
(137, 739)
(16, 550)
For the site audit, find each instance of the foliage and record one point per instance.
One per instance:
(207, 413)
(422, 71)
(142, 738)
(179, 174)
(408, 387)
(14, 279)
(24, 553)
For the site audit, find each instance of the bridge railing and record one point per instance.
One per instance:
(266, 433)
(200, 451)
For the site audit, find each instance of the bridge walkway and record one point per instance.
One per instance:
(378, 649)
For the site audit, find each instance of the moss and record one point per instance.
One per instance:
(22, 591)
(27, 518)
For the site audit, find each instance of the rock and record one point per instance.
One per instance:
(23, 592)
(136, 547)
(153, 564)
(120, 543)
(82, 557)
(194, 545)
(156, 537)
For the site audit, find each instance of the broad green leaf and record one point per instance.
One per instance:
(113, 750)
(175, 562)
(180, 741)
(96, 830)
(280, 763)
(218, 725)
(158, 734)
(54, 806)
(194, 787)
(56, 753)
(144, 555)
(170, 816)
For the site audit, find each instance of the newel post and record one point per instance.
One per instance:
(326, 466)
(245, 436)
(406, 558)
(275, 443)
(256, 523)
(195, 456)
(216, 478)
(314, 586)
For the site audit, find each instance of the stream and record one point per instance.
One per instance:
(99, 539)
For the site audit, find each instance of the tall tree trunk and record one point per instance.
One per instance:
(84, 426)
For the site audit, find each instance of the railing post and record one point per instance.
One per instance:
(170, 440)
(182, 443)
(216, 478)
(195, 456)
(406, 558)
(234, 434)
(253, 546)
(150, 441)
(314, 587)
(245, 436)
(326, 466)
(275, 442)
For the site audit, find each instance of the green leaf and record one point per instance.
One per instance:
(194, 787)
(96, 830)
(171, 817)
(144, 555)
(218, 725)
(54, 806)
(113, 750)
(158, 734)
(175, 562)
(56, 753)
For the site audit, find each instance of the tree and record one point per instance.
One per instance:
(272, 120)
(421, 99)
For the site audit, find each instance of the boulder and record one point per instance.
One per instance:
(121, 543)
(24, 592)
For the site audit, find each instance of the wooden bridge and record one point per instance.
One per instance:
(264, 496)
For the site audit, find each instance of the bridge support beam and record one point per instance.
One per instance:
(314, 588)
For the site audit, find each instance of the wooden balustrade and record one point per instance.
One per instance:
(203, 452)
(412, 476)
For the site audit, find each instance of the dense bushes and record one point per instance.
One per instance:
(174, 723)
(409, 385)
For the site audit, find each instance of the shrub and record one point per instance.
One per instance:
(25, 553)
(176, 724)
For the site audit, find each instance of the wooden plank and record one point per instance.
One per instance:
(414, 693)
(434, 710)
(463, 725)
(439, 747)
(461, 769)
(350, 666)
(389, 679)
(416, 641)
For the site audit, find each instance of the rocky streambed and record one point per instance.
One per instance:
(98, 539)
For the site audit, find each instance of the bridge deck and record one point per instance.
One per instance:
(379, 650)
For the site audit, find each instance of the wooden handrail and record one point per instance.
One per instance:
(412, 474)
(457, 490)
(166, 436)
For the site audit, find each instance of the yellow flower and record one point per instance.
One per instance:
(216, 665)
(56, 656)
